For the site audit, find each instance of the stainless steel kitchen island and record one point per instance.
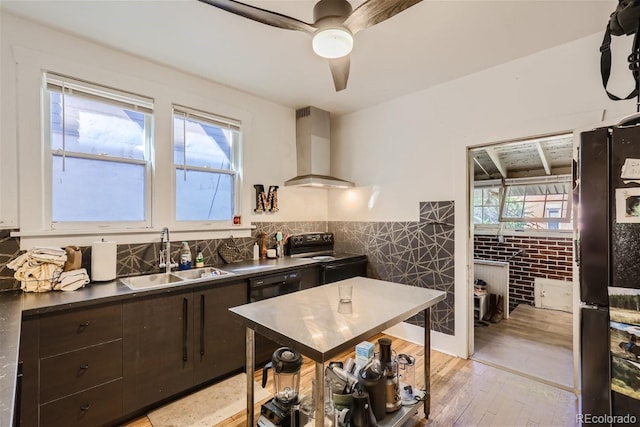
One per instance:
(314, 323)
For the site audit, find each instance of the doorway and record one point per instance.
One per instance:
(522, 246)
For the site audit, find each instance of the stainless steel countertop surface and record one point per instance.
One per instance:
(314, 322)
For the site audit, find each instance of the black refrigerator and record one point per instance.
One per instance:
(607, 190)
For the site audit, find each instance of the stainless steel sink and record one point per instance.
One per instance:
(174, 278)
(252, 268)
(200, 273)
(151, 280)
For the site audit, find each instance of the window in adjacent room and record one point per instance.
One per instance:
(99, 145)
(206, 152)
(486, 203)
(537, 203)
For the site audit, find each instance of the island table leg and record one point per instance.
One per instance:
(250, 370)
(427, 361)
(318, 391)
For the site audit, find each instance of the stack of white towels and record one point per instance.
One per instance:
(40, 269)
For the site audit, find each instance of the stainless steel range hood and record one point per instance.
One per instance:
(313, 151)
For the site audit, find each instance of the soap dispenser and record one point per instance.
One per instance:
(199, 258)
(185, 257)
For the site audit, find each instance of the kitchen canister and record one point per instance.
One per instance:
(103, 261)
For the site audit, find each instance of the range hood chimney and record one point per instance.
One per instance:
(313, 152)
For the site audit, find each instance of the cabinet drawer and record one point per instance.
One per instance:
(63, 332)
(72, 372)
(91, 407)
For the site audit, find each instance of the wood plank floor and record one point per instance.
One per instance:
(535, 342)
(464, 393)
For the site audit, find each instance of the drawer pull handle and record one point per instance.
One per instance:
(85, 407)
(85, 366)
(82, 326)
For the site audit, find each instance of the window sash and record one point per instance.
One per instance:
(180, 165)
(68, 85)
(106, 96)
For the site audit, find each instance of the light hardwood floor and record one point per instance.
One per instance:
(464, 393)
(535, 342)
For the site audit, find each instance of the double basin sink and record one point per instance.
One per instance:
(174, 278)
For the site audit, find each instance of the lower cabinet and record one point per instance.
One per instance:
(174, 342)
(219, 340)
(72, 367)
(157, 348)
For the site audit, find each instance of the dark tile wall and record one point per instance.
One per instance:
(419, 253)
(9, 249)
(528, 257)
(414, 253)
(134, 259)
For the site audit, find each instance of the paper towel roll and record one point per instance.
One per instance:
(103, 261)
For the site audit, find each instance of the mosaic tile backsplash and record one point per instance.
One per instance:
(419, 253)
(414, 253)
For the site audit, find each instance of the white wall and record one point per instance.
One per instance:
(28, 48)
(414, 148)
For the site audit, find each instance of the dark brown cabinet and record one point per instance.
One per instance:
(157, 348)
(72, 367)
(219, 340)
(174, 342)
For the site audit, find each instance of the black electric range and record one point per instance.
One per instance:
(334, 265)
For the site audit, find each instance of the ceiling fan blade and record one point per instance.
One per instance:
(340, 71)
(261, 15)
(373, 12)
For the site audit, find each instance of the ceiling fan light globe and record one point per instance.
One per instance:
(332, 43)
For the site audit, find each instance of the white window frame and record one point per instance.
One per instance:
(501, 228)
(543, 181)
(64, 84)
(235, 170)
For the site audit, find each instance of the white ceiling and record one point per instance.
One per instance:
(426, 45)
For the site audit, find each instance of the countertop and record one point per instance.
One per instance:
(315, 323)
(16, 304)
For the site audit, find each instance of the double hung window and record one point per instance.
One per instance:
(99, 152)
(205, 153)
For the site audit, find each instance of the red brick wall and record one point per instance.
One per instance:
(546, 257)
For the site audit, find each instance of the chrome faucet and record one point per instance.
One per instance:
(165, 253)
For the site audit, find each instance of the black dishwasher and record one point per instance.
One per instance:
(264, 287)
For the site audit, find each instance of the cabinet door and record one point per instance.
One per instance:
(157, 349)
(219, 340)
(28, 404)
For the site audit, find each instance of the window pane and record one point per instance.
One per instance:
(513, 210)
(477, 196)
(477, 215)
(96, 190)
(490, 215)
(207, 145)
(92, 127)
(492, 197)
(204, 196)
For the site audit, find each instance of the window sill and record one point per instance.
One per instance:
(61, 238)
(528, 233)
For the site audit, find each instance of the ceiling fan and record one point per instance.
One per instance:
(335, 24)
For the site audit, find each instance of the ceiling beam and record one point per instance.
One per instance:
(481, 167)
(543, 158)
(496, 161)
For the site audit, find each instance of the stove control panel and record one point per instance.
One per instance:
(310, 242)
